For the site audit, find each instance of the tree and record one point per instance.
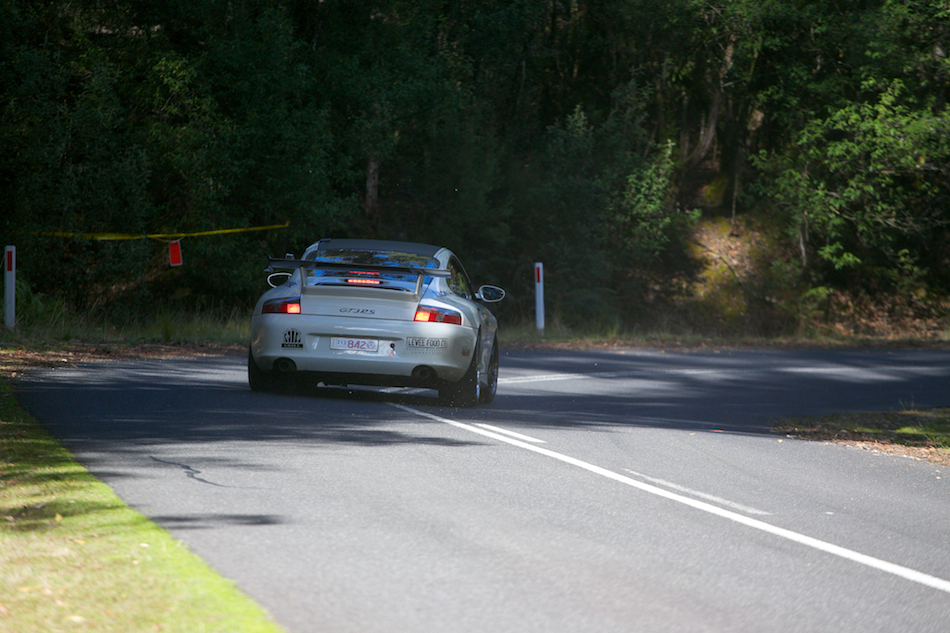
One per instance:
(870, 184)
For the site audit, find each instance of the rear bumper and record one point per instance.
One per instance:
(404, 349)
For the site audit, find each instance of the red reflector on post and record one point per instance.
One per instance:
(174, 253)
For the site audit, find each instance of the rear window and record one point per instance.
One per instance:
(374, 258)
(393, 281)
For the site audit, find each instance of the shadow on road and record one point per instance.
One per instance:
(118, 406)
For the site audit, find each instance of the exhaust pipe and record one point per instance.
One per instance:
(423, 373)
(285, 365)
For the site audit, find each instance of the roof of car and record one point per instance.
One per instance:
(413, 248)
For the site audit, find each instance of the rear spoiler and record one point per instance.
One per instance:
(278, 264)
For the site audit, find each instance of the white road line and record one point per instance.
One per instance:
(542, 378)
(701, 495)
(519, 436)
(628, 373)
(875, 563)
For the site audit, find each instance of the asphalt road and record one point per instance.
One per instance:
(637, 491)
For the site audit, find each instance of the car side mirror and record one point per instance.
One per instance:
(272, 276)
(490, 294)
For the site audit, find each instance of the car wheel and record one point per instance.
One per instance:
(257, 378)
(467, 391)
(491, 385)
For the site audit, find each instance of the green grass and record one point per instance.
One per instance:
(929, 428)
(176, 327)
(57, 325)
(73, 556)
(559, 335)
(928, 431)
(50, 324)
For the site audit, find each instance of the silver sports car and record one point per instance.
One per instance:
(374, 312)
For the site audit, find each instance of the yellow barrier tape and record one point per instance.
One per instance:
(158, 236)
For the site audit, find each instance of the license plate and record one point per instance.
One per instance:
(355, 344)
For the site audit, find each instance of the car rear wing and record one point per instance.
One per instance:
(277, 264)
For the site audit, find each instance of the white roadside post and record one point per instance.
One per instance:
(539, 296)
(9, 287)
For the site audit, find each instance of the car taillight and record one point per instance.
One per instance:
(436, 315)
(366, 278)
(281, 306)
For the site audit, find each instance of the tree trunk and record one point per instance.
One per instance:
(709, 131)
(372, 189)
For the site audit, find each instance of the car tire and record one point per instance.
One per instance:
(467, 391)
(257, 378)
(491, 379)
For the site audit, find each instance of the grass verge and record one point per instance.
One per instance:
(919, 434)
(526, 336)
(73, 556)
(164, 326)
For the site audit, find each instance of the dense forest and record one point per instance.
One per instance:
(595, 136)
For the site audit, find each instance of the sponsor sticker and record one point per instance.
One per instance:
(292, 340)
(427, 343)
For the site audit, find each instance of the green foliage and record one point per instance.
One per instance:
(182, 137)
(560, 213)
(868, 184)
(513, 131)
(643, 219)
(458, 193)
